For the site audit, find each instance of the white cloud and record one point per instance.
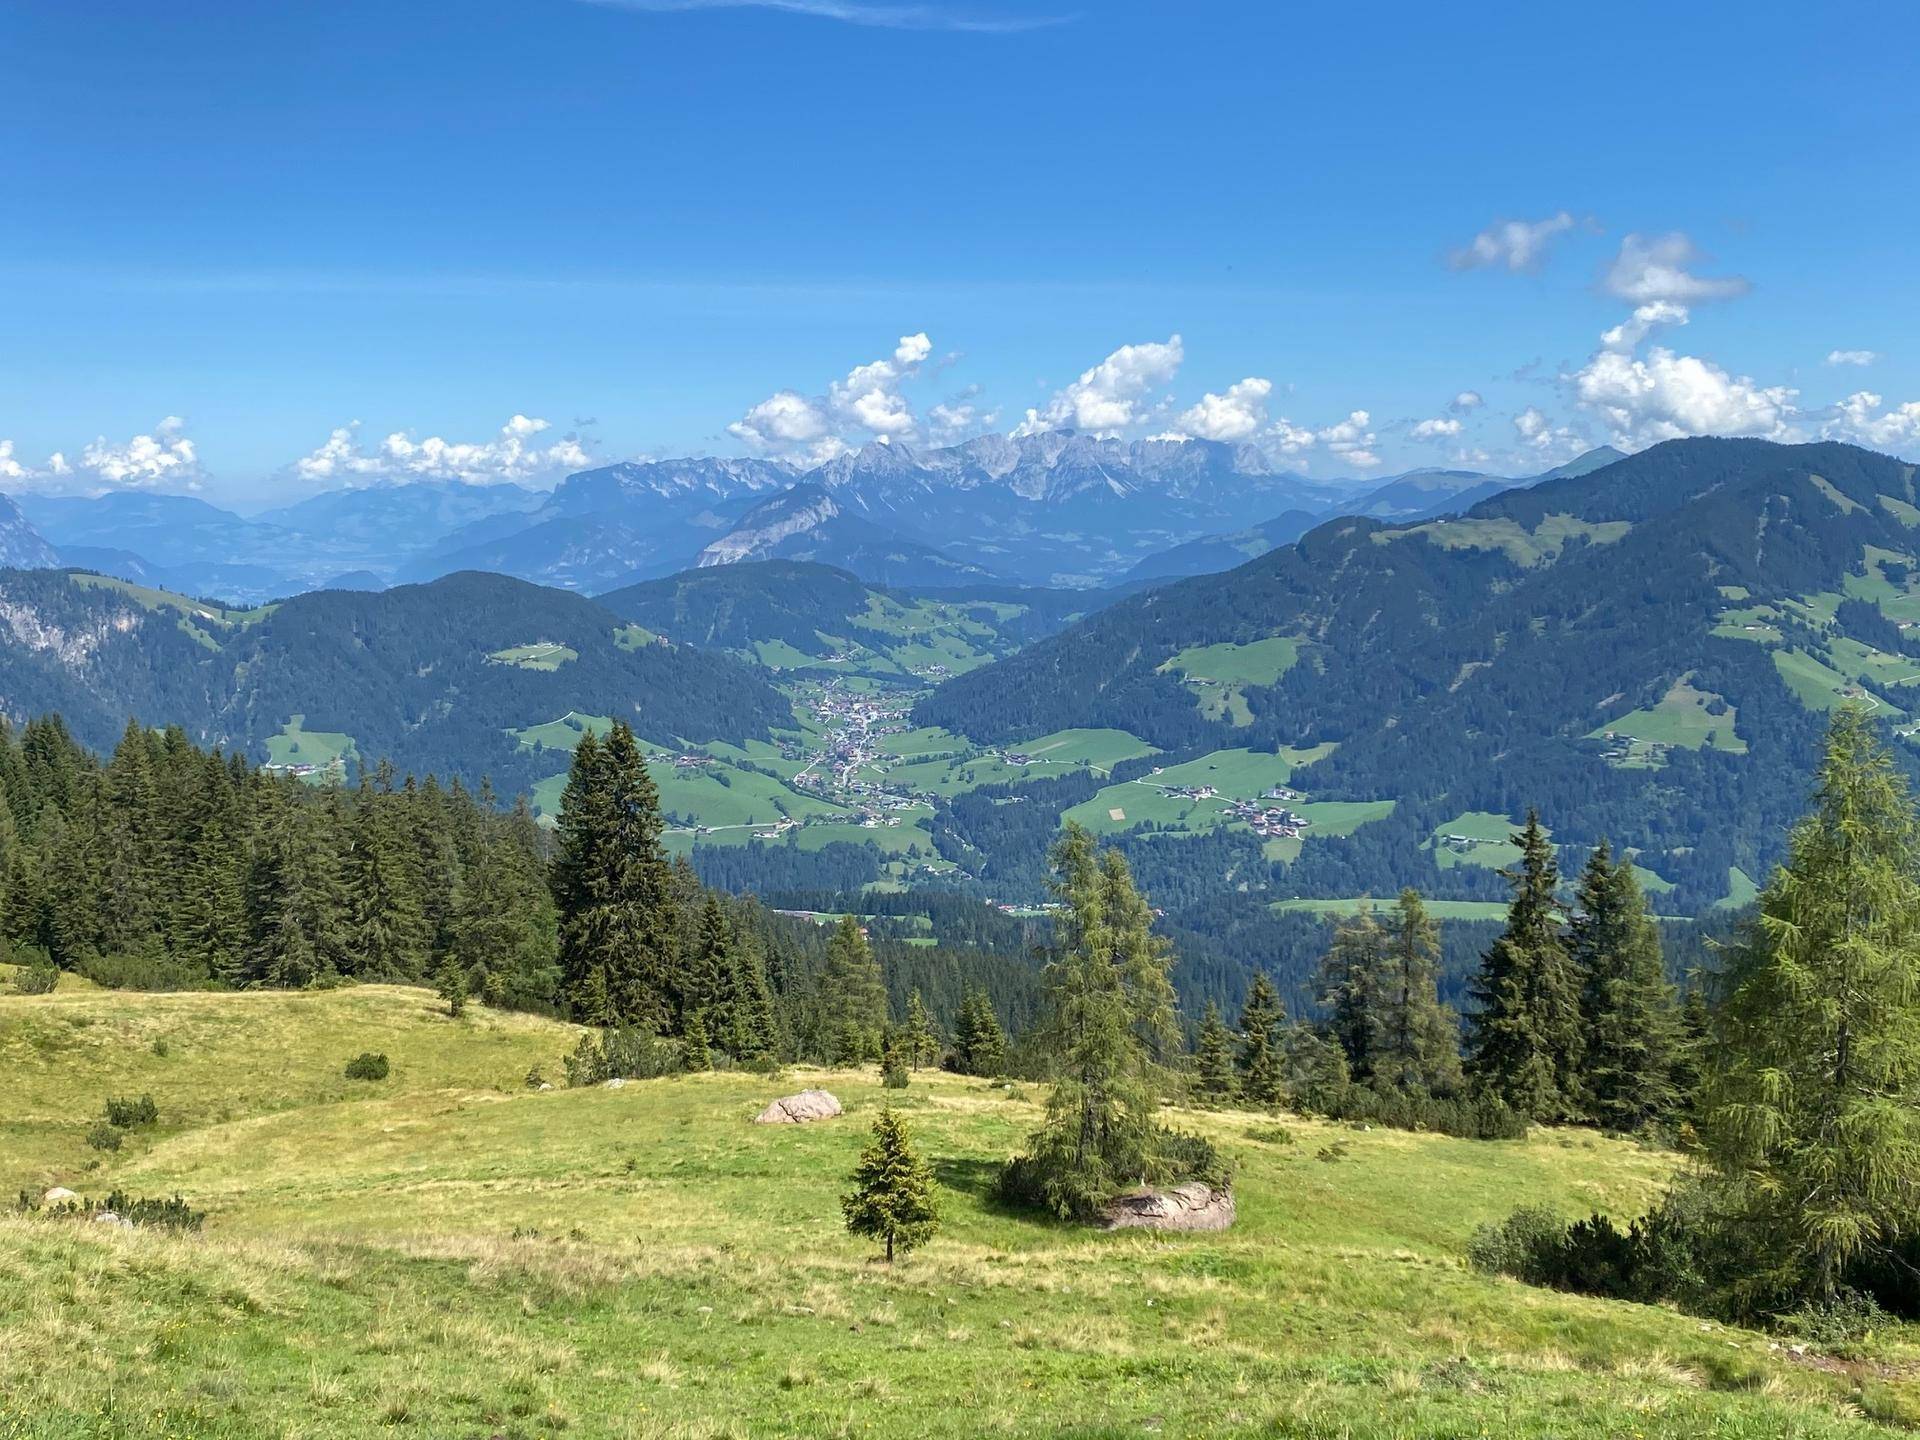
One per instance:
(507, 459)
(165, 460)
(1665, 396)
(1351, 439)
(1437, 429)
(853, 12)
(1852, 357)
(1860, 419)
(951, 421)
(1514, 245)
(1107, 398)
(812, 429)
(1288, 438)
(1466, 400)
(1627, 335)
(1539, 434)
(1232, 416)
(1652, 269)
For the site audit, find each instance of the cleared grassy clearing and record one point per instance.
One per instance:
(639, 1262)
(1685, 717)
(326, 750)
(540, 655)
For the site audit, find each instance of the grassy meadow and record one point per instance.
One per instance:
(448, 1253)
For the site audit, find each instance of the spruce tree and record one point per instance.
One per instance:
(696, 1052)
(892, 1200)
(1416, 1040)
(612, 885)
(1215, 1078)
(1352, 974)
(979, 1042)
(1525, 1034)
(1627, 1014)
(852, 996)
(1812, 1106)
(1262, 1065)
(923, 1046)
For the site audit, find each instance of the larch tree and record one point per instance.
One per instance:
(1110, 1012)
(1524, 1035)
(1812, 1104)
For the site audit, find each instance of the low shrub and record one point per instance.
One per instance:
(104, 1136)
(1465, 1117)
(155, 971)
(367, 1065)
(623, 1053)
(36, 979)
(169, 1214)
(1047, 1179)
(124, 1114)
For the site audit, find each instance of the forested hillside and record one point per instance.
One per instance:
(1646, 652)
(436, 678)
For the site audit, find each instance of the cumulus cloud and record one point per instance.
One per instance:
(813, 429)
(1513, 245)
(1109, 397)
(1232, 416)
(1852, 357)
(1437, 429)
(1352, 439)
(1466, 400)
(1860, 419)
(509, 458)
(1664, 396)
(1658, 268)
(1645, 319)
(951, 421)
(166, 459)
(1539, 434)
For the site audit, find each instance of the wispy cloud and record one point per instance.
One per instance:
(851, 12)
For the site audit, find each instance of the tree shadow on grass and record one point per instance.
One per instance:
(981, 1180)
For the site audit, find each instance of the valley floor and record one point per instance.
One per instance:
(448, 1253)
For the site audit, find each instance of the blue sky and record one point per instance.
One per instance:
(235, 229)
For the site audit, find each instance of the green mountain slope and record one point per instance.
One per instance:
(1647, 651)
(796, 616)
(437, 677)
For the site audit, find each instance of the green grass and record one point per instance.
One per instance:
(1489, 835)
(1260, 663)
(1683, 718)
(1741, 891)
(1220, 674)
(1819, 687)
(1439, 909)
(327, 750)
(633, 637)
(1524, 547)
(936, 762)
(471, 1259)
(1236, 775)
(540, 655)
(564, 733)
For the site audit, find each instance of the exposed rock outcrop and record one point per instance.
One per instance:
(799, 1109)
(1192, 1206)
